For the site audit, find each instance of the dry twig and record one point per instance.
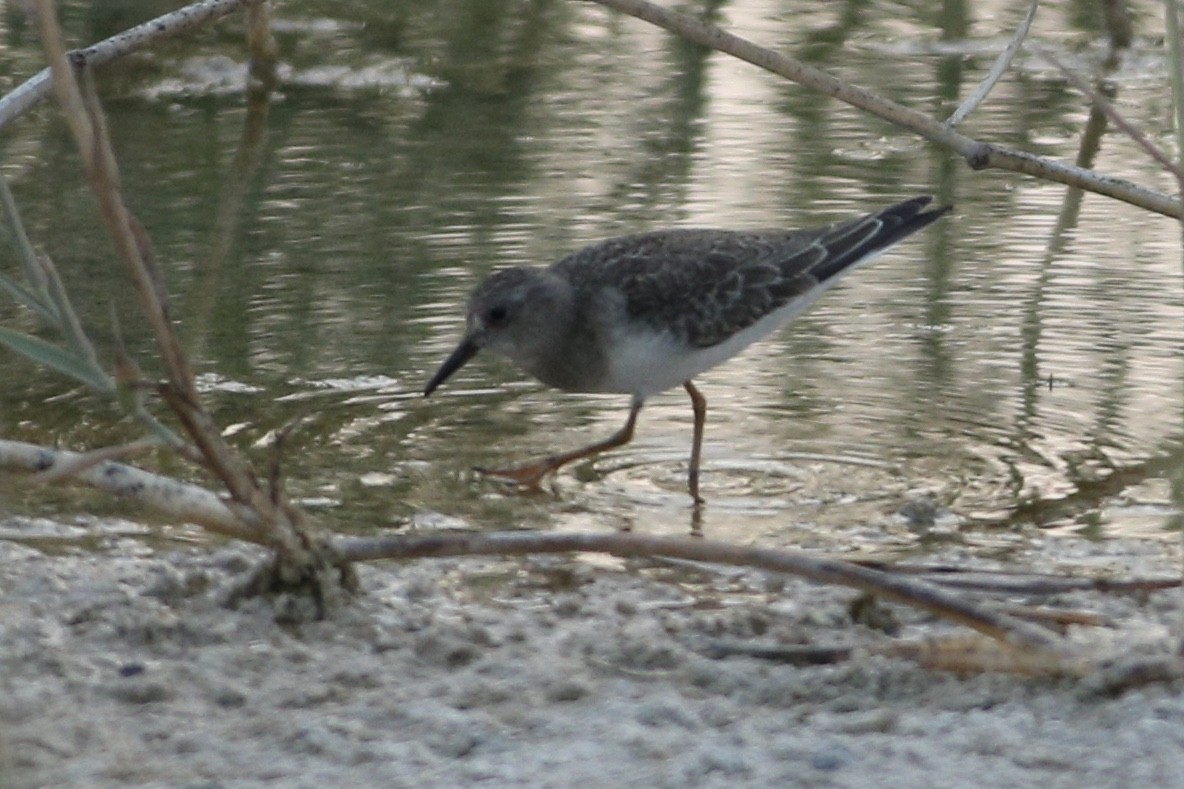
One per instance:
(919, 594)
(1100, 101)
(979, 155)
(302, 557)
(998, 68)
(168, 497)
(30, 93)
(264, 516)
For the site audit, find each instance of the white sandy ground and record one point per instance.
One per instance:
(120, 666)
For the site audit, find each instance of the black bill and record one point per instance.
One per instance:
(465, 351)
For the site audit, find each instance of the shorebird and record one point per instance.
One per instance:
(643, 313)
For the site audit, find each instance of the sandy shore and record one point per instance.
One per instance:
(121, 666)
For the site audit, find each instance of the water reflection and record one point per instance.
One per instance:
(320, 249)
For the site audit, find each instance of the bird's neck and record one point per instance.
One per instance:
(562, 353)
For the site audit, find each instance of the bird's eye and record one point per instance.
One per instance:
(496, 314)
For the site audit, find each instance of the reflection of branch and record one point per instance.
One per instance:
(1099, 101)
(271, 520)
(997, 69)
(232, 209)
(979, 155)
(80, 106)
(36, 88)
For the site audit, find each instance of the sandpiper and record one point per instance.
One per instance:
(643, 313)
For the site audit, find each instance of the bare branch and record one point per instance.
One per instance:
(978, 155)
(73, 466)
(63, 82)
(168, 497)
(1100, 101)
(998, 68)
(301, 553)
(1023, 583)
(32, 91)
(86, 121)
(920, 594)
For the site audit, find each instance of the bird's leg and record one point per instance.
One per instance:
(532, 474)
(699, 406)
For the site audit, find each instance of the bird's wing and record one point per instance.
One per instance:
(705, 285)
(715, 284)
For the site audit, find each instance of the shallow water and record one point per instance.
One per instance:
(1015, 366)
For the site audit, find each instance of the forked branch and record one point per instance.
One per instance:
(979, 155)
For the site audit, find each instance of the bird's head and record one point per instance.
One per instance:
(511, 313)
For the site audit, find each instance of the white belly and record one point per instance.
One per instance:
(647, 362)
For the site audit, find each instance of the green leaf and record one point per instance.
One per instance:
(20, 239)
(63, 361)
(23, 295)
(34, 299)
